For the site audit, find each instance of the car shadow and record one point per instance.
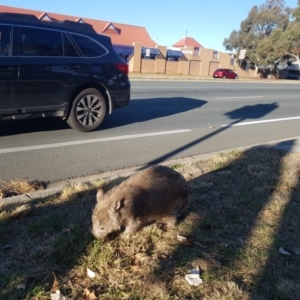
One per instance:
(20, 126)
(142, 110)
(139, 110)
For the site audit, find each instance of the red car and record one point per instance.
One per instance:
(225, 73)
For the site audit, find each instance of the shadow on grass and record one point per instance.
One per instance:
(241, 213)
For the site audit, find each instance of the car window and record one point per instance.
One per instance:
(5, 40)
(69, 48)
(40, 42)
(88, 47)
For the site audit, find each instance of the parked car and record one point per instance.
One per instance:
(62, 69)
(225, 73)
(293, 74)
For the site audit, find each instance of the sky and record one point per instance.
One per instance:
(167, 21)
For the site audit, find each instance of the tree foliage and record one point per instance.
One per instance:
(263, 33)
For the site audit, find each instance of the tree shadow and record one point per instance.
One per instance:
(280, 274)
(239, 115)
(223, 215)
(230, 218)
(138, 110)
(226, 208)
(251, 111)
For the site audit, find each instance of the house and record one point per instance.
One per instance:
(135, 46)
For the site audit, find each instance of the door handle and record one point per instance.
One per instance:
(74, 68)
(6, 70)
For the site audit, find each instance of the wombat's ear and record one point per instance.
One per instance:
(100, 194)
(119, 204)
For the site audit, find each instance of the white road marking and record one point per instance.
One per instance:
(251, 97)
(90, 141)
(258, 122)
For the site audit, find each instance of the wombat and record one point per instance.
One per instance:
(157, 193)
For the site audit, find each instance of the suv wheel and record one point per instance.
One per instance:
(88, 110)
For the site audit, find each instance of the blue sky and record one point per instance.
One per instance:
(207, 21)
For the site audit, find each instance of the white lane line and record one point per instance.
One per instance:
(258, 122)
(248, 97)
(100, 140)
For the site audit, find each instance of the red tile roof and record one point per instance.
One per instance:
(121, 34)
(187, 41)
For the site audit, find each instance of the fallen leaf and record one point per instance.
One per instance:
(188, 243)
(89, 295)
(21, 286)
(185, 241)
(55, 284)
(282, 251)
(90, 273)
(181, 238)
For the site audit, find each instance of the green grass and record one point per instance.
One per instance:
(244, 207)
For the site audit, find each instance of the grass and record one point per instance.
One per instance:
(19, 187)
(245, 206)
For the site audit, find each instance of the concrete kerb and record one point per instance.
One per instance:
(287, 145)
(164, 77)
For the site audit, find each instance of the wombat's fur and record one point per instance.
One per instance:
(155, 194)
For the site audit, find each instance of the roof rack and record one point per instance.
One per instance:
(76, 25)
(33, 18)
(18, 16)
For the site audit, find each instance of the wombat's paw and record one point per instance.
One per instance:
(133, 226)
(170, 221)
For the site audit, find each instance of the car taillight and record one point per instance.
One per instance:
(123, 68)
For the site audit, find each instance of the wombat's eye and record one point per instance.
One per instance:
(102, 228)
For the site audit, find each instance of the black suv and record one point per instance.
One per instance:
(62, 69)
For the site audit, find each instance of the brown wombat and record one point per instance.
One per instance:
(157, 193)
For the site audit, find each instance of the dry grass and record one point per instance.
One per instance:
(245, 206)
(19, 187)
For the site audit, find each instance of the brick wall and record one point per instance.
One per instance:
(203, 63)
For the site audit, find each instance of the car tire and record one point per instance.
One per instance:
(88, 110)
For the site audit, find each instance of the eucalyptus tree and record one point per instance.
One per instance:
(282, 45)
(264, 22)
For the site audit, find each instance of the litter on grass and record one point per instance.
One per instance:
(193, 278)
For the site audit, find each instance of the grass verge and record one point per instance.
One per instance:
(245, 207)
(18, 187)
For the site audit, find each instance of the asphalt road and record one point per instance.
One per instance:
(165, 120)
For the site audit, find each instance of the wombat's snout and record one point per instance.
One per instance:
(104, 236)
(98, 232)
